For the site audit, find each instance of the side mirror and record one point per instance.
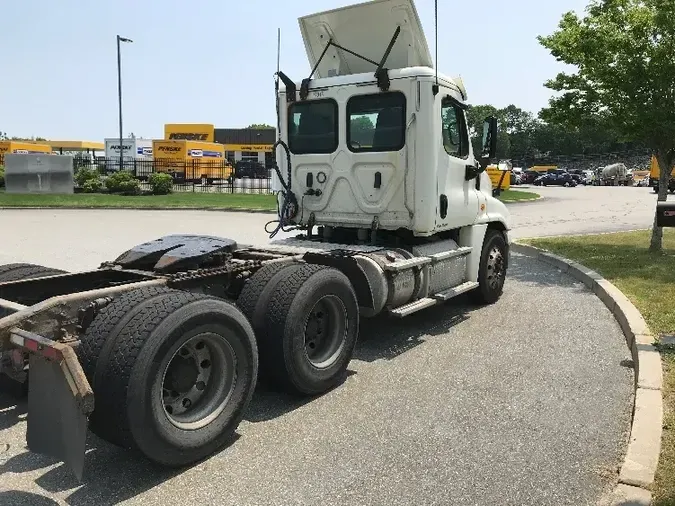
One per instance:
(489, 147)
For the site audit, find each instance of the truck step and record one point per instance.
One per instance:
(413, 307)
(403, 265)
(455, 291)
(446, 255)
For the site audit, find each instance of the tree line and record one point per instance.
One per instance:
(527, 138)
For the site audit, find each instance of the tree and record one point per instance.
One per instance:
(623, 54)
(362, 130)
(475, 117)
(259, 126)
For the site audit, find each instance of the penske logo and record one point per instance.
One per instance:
(188, 137)
(169, 149)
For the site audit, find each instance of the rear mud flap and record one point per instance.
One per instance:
(56, 424)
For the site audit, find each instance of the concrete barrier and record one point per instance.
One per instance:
(39, 173)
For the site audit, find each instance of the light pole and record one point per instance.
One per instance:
(119, 92)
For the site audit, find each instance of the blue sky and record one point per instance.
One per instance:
(212, 61)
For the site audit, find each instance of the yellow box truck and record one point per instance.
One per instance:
(654, 173)
(500, 173)
(21, 147)
(191, 160)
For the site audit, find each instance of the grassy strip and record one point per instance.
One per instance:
(518, 196)
(648, 280)
(177, 200)
(182, 199)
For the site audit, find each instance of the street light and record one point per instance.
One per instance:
(119, 91)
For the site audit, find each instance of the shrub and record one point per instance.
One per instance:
(95, 185)
(161, 183)
(123, 182)
(84, 174)
(2, 176)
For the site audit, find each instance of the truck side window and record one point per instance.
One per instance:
(376, 122)
(313, 127)
(455, 135)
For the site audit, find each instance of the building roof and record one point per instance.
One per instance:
(250, 136)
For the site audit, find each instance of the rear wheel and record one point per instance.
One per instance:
(172, 373)
(311, 327)
(492, 269)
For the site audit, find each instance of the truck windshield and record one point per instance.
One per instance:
(313, 127)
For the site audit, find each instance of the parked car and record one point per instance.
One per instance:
(578, 178)
(529, 176)
(250, 168)
(556, 179)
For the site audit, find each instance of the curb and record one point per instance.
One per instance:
(147, 208)
(642, 456)
(509, 201)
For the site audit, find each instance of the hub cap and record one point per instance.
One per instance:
(325, 331)
(198, 381)
(495, 268)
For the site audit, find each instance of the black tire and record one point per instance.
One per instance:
(19, 271)
(297, 304)
(493, 257)
(126, 354)
(257, 291)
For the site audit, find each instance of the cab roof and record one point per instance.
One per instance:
(455, 83)
(367, 29)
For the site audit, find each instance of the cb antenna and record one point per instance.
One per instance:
(276, 82)
(278, 51)
(436, 87)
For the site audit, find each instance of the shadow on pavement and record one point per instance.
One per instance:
(16, 498)
(12, 411)
(112, 475)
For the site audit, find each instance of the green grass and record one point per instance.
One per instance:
(518, 195)
(178, 200)
(186, 199)
(648, 280)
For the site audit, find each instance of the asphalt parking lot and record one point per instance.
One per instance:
(524, 402)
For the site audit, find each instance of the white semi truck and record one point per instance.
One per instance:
(160, 349)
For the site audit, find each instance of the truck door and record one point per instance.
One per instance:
(460, 196)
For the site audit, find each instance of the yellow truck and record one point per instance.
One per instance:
(191, 161)
(654, 173)
(21, 147)
(499, 173)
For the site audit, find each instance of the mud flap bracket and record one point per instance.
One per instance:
(60, 400)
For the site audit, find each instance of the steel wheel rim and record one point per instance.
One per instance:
(198, 381)
(325, 331)
(495, 268)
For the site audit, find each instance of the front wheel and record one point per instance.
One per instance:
(492, 269)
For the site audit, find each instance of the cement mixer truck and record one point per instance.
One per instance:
(616, 174)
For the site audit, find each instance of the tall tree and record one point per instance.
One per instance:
(259, 126)
(623, 53)
(475, 116)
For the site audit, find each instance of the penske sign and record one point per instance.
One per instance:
(189, 132)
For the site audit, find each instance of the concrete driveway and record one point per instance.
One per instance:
(526, 402)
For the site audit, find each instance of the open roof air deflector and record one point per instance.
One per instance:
(365, 29)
